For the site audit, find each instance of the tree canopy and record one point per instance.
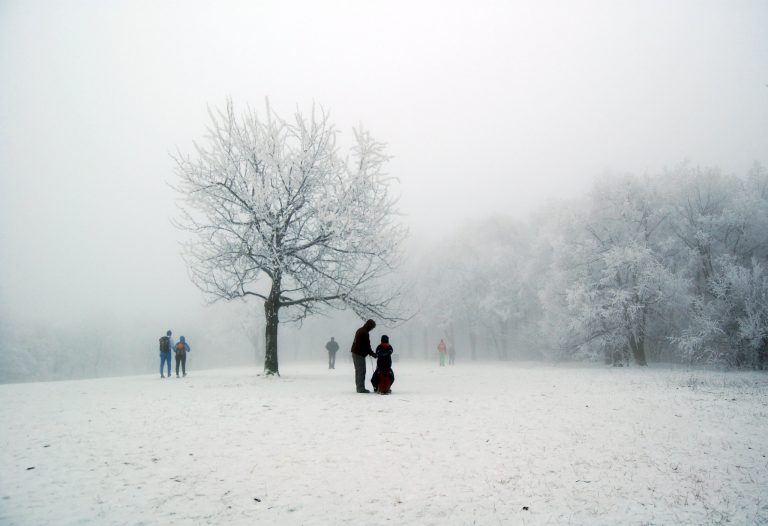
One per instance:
(278, 214)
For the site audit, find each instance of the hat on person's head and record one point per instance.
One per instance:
(181, 338)
(168, 333)
(384, 338)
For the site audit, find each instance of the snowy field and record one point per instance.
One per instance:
(470, 444)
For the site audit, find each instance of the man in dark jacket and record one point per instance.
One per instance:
(361, 347)
(332, 347)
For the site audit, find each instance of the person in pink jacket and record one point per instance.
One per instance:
(441, 350)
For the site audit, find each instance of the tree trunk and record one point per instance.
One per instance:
(473, 344)
(271, 308)
(501, 342)
(409, 349)
(504, 338)
(638, 349)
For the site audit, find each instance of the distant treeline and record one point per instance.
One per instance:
(664, 268)
(40, 351)
(32, 351)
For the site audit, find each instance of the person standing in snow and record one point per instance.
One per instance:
(332, 347)
(361, 347)
(383, 377)
(441, 352)
(181, 348)
(451, 354)
(166, 344)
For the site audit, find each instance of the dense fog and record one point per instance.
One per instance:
(579, 181)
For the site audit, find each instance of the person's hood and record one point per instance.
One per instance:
(181, 339)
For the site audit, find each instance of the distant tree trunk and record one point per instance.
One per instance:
(408, 343)
(638, 349)
(498, 346)
(426, 344)
(504, 343)
(473, 344)
(500, 339)
(762, 354)
(637, 343)
(271, 308)
(97, 364)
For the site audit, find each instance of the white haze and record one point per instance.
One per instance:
(487, 107)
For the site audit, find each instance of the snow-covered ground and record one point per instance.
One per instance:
(470, 444)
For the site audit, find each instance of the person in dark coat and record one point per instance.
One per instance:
(383, 377)
(361, 347)
(332, 347)
(166, 344)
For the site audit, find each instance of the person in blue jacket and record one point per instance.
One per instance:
(166, 344)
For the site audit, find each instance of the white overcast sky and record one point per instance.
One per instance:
(487, 107)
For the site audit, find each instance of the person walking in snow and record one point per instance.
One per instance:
(383, 377)
(332, 347)
(451, 354)
(181, 348)
(361, 347)
(441, 352)
(166, 343)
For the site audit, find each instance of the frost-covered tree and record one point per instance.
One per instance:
(278, 214)
(722, 222)
(731, 327)
(714, 214)
(621, 287)
(477, 281)
(504, 296)
(446, 288)
(742, 292)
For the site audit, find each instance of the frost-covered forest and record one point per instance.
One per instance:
(670, 268)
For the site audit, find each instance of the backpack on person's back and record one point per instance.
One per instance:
(180, 347)
(165, 344)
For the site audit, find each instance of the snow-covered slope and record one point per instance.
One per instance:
(470, 444)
